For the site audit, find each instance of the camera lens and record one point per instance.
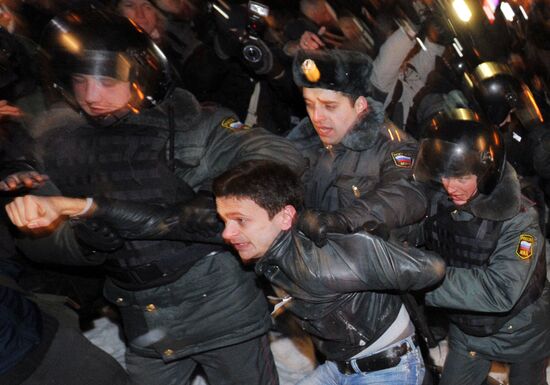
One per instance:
(252, 53)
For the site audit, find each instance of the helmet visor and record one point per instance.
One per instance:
(438, 158)
(102, 63)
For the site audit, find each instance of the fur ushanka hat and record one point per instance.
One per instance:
(337, 70)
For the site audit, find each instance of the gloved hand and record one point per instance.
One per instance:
(199, 216)
(316, 224)
(20, 175)
(96, 235)
(376, 228)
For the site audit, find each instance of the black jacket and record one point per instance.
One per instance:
(346, 294)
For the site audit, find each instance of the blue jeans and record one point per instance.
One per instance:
(409, 371)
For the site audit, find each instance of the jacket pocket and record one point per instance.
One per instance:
(355, 336)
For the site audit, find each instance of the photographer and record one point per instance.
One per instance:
(243, 38)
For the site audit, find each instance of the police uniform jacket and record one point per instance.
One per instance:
(212, 302)
(495, 288)
(345, 294)
(366, 177)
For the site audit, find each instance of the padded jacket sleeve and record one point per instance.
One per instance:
(360, 262)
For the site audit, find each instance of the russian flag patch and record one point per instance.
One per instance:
(402, 159)
(524, 250)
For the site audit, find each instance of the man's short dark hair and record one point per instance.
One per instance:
(271, 185)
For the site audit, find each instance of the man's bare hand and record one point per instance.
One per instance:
(24, 179)
(35, 212)
(9, 110)
(32, 211)
(311, 41)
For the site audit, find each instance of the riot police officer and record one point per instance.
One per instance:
(495, 294)
(131, 136)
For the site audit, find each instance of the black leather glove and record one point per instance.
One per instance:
(316, 224)
(376, 228)
(199, 216)
(96, 235)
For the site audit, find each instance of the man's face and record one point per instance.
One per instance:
(332, 113)
(248, 227)
(460, 189)
(100, 95)
(142, 12)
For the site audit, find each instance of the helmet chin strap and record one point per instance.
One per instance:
(109, 119)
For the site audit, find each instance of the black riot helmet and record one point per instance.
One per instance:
(499, 92)
(459, 143)
(99, 43)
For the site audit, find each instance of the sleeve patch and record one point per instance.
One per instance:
(402, 159)
(524, 250)
(233, 125)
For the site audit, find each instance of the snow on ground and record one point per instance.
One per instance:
(294, 357)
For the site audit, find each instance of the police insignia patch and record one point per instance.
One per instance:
(524, 250)
(233, 125)
(402, 159)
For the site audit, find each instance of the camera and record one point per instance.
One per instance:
(240, 28)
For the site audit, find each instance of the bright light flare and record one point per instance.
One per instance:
(220, 11)
(523, 12)
(489, 13)
(71, 43)
(421, 44)
(507, 11)
(462, 10)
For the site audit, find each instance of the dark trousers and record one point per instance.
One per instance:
(249, 363)
(460, 369)
(72, 359)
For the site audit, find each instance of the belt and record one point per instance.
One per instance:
(385, 359)
(151, 274)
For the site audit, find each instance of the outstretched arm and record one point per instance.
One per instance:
(195, 220)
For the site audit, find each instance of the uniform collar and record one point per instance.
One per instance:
(503, 203)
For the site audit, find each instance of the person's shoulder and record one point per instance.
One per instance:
(190, 114)
(395, 135)
(526, 220)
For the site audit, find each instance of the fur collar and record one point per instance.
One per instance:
(59, 115)
(503, 203)
(185, 107)
(362, 136)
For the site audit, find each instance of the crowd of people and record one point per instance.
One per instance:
(378, 169)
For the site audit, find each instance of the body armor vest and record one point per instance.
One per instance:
(470, 244)
(125, 161)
